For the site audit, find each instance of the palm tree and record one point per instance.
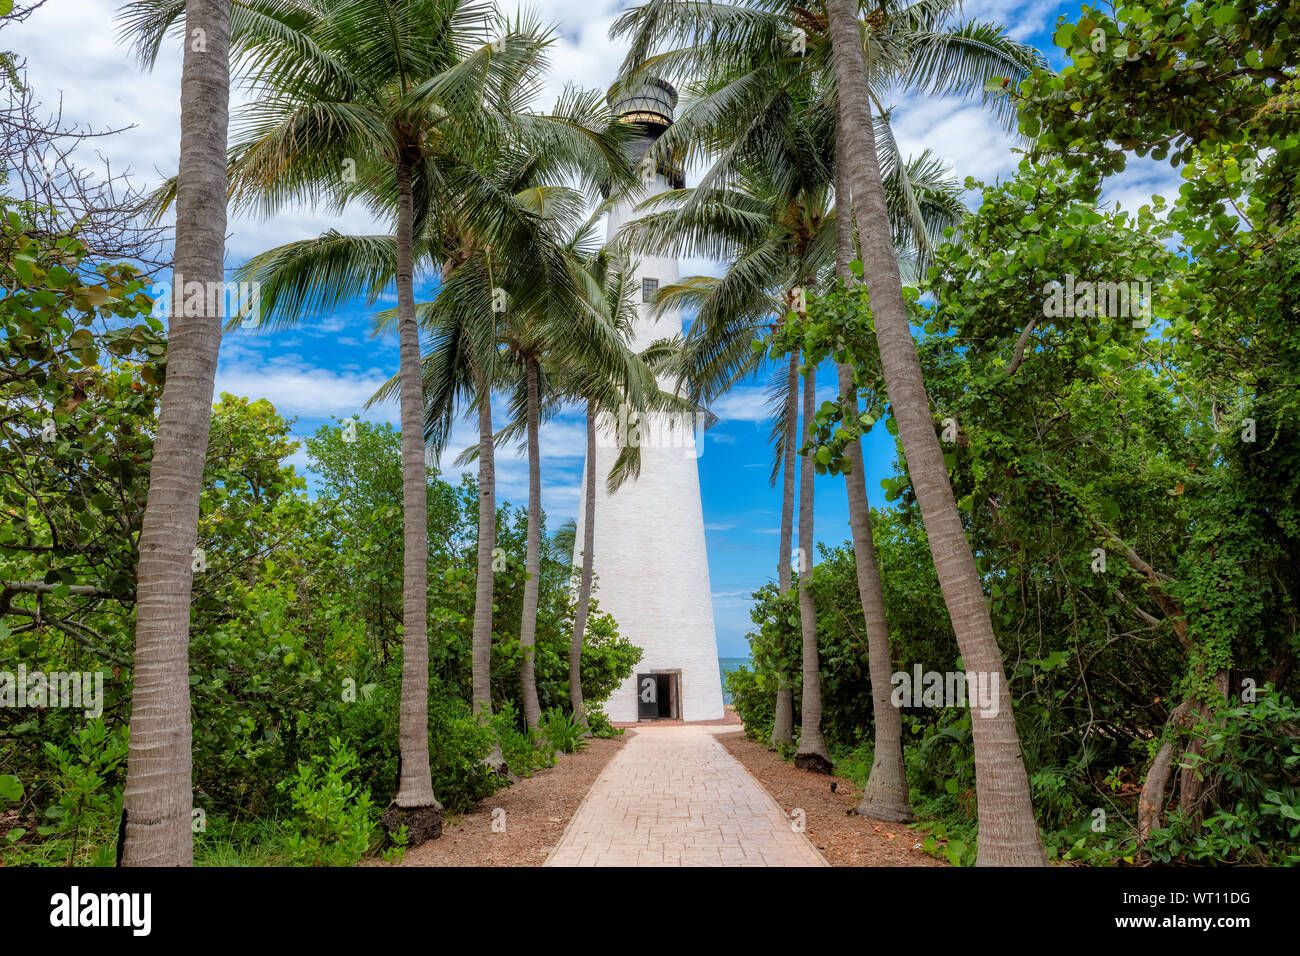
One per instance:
(156, 804)
(918, 45)
(371, 101)
(909, 45)
(575, 348)
(532, 560)
(885, 796)
(579, 352)
(583, 604)
(1008, 832)
(517, 294)
(768, 207)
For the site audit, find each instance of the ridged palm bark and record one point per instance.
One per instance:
(783, 717)
(1008, 832)
(812, 753)
(158, 798)
(481, 654)
(532, 556)
(886, 795)
(584, 580)
(481, 648)
(415, 805)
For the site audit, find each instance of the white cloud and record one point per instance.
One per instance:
(1142, 178)
(1021, 19)
(561, 439)
(742, 404)
(311, 393)
(961, 133)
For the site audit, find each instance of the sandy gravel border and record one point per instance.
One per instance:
(537, 811)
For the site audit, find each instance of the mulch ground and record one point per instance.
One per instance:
(844, 839)
(537, 809)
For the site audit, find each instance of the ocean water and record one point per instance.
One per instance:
(725, 666)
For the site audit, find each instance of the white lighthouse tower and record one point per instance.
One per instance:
(652, 573)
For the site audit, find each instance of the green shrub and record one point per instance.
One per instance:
(607, 658)
(397, 852)
(369, 727)
(563, 731)
(79, 828)
(458, 745)
(854, 763)
(599, 724)
(1254, 750)
(754, 700)
(524, 750)
(332, 815)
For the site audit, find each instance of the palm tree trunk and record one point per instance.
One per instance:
(481, 652)
(157, 803)
(532, 561)
(783, 720)
(482, 649)
(414, 804)
(812, 753)
(1008, 832)
(886, 796)
(783, 717)
(584, 582)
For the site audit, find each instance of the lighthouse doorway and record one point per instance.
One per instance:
(658, 695)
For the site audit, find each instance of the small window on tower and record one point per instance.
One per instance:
(649, 288)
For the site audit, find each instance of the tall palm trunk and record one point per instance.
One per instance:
(1008, 832)
(532, 561)
(812, 753)
(481, 652)
(584, 581)
(783, 720)
(415, 784)
(158, 799)
(885, 796)
(482, 649)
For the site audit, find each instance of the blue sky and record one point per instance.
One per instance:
(328, 370)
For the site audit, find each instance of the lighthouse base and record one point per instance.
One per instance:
(652, 576)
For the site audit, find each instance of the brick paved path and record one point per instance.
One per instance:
(673, 796)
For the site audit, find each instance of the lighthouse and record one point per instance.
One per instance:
(649, 559)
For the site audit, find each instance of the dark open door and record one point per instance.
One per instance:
(647, 696)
